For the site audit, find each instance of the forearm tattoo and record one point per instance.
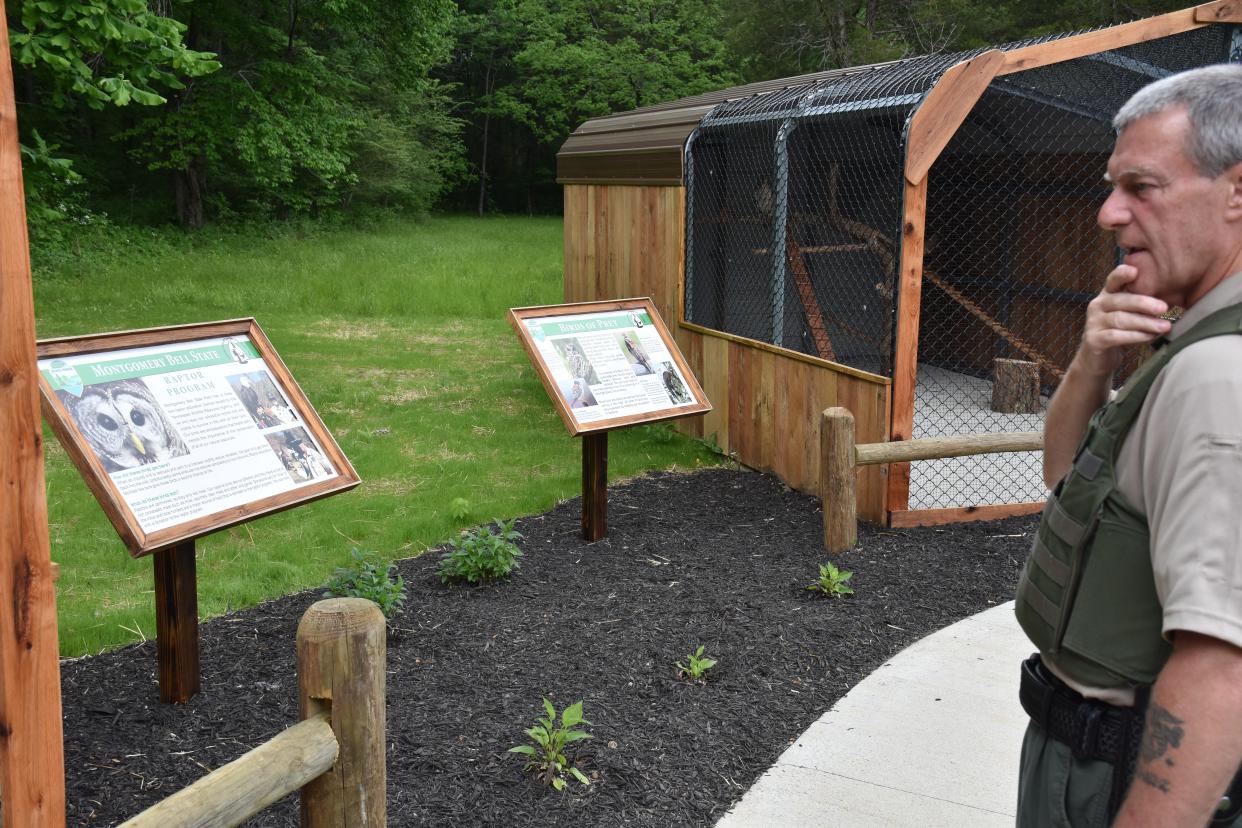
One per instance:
(1162, 731)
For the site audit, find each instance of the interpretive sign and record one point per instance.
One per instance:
(608, 364)
(184, 430)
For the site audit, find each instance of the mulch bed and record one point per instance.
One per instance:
(718, 557)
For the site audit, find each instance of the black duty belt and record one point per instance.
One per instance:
(1093, 729)
(1097, 730)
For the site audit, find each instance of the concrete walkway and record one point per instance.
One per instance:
(931, 738)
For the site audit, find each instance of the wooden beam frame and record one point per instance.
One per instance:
(944, 108)
(906, 359)
(932, 127)
(1224, 11)
(1114, 37)
(938, 517)
(32, 768)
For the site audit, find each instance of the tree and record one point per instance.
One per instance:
(318, 104)
(91, 54)
(102, 52)
(536, 69)
(776, 38)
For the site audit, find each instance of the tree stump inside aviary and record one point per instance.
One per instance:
(1015, 386)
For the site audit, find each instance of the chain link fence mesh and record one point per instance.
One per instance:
(794, 211)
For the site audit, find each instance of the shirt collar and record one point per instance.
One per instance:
(1228, 292)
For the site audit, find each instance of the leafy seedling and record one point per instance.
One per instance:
(547, 754)
(481, 555)
(832, 581)
(367, 578)
(696, 666)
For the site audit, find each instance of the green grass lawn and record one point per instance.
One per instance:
(397, 335)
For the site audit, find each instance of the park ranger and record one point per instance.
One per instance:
(1133, 591)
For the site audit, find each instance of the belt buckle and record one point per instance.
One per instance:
(1087, 717)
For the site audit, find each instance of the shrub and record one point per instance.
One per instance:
(548, 752)
(367, 578)
(481, 555)
(831, 581)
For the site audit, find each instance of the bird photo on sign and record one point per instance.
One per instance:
(123, 424)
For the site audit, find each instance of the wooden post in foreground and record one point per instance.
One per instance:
(595, 485)
(32, 765)
(342, 651)
(837, 479)
(176, 622)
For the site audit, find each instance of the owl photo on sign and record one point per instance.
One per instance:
(123, 424)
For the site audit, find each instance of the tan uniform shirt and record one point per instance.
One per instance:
(1181, 466)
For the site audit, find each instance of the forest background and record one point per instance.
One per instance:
(159, 113)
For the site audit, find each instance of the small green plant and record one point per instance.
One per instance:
(832, 581)
(481, 555)
(548, 752)
(459, 508)
(367, 578)
(696, 665)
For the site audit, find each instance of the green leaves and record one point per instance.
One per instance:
(105, 52)
(547, 754)
(482, 555)
(831, 581)
(367, 578)
(697, 665)
(570, 717)
(573, 59)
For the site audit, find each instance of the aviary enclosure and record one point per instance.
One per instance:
(914, 241)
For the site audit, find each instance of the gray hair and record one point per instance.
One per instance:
(1212, 98)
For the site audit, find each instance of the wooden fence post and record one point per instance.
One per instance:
(176, 623)
(594, 485)
(342, 652)
(838, 481)
(32, 768)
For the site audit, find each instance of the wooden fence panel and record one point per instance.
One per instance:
(623, 241)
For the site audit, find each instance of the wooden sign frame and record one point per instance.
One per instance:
(97, 477)
(527, 323)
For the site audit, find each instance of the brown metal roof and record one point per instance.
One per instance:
(644, 146)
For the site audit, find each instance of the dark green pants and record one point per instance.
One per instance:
(1057, 790)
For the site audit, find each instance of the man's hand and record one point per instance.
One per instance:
(1117, 319)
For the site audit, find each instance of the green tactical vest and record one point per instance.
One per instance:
(1087, 594)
